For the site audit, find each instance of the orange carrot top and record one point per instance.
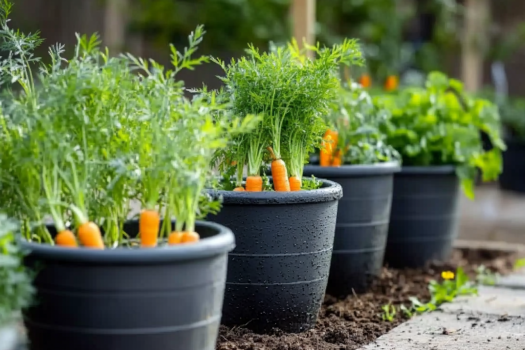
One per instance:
(391, 83)
(88, 232)
(365, 80)
(279, 174)
(149, 225)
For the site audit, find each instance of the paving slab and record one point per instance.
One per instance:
(493, 320)
(515, 281)
(491, 300)
(440, 330)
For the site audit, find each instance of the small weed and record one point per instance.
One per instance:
(520, 263)
(406, 311)
(485, 277)
(445, 291)
(389, 312)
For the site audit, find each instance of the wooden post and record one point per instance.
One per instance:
(474, 36)
(303, 13)
(115, 21)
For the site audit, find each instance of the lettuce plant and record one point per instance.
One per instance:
(441, 125)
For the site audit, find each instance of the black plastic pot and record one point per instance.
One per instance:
(362, 223)
(140, 299)
(423, 223)
(513, 176)
(278, 272)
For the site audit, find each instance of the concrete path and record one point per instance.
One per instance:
(494, 215)
(493, 320)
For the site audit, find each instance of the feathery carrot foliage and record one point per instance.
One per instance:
(291, 93)
(87, 135)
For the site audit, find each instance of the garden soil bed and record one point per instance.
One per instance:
(355, 321)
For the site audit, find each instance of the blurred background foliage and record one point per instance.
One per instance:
(395, 35)
(408, 38)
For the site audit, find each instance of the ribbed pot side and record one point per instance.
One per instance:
(278, 272)
(423, 223)
(362, 224)
(513, 176)
(140, 299)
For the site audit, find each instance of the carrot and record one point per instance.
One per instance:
(149, 224)
(335, 138)
(365, 81)
(329, 144)
(254, 183)
(326, 150)
(175, 238)
(66, 238)
(190, 237)
(391, 83)
(90, 236)
(183, 237)
(239, 189)
(337, 161)
(295, 183)
(279, 174)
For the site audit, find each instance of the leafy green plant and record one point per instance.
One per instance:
(98, 132)
(441, 125)
(16, 291)
(357, 118)
(389, 312)
(291, 93)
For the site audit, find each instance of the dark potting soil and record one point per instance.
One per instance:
(355, 321)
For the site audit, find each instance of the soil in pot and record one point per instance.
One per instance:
(513, 176)
(362, 224)
(140, 299)
(278, 272)
(424, 216)
(355, 321)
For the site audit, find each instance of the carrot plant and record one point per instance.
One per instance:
(94, 133)
(291, 93)
(356, 119)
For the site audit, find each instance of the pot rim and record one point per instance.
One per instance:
(220, 243)
(332, 192)
(352, 170)
(428, 170)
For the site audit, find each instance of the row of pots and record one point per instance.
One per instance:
(276, 276)
(286, 255)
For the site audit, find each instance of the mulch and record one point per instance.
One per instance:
(355, 321)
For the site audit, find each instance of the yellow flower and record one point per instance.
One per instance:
(447, 275)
